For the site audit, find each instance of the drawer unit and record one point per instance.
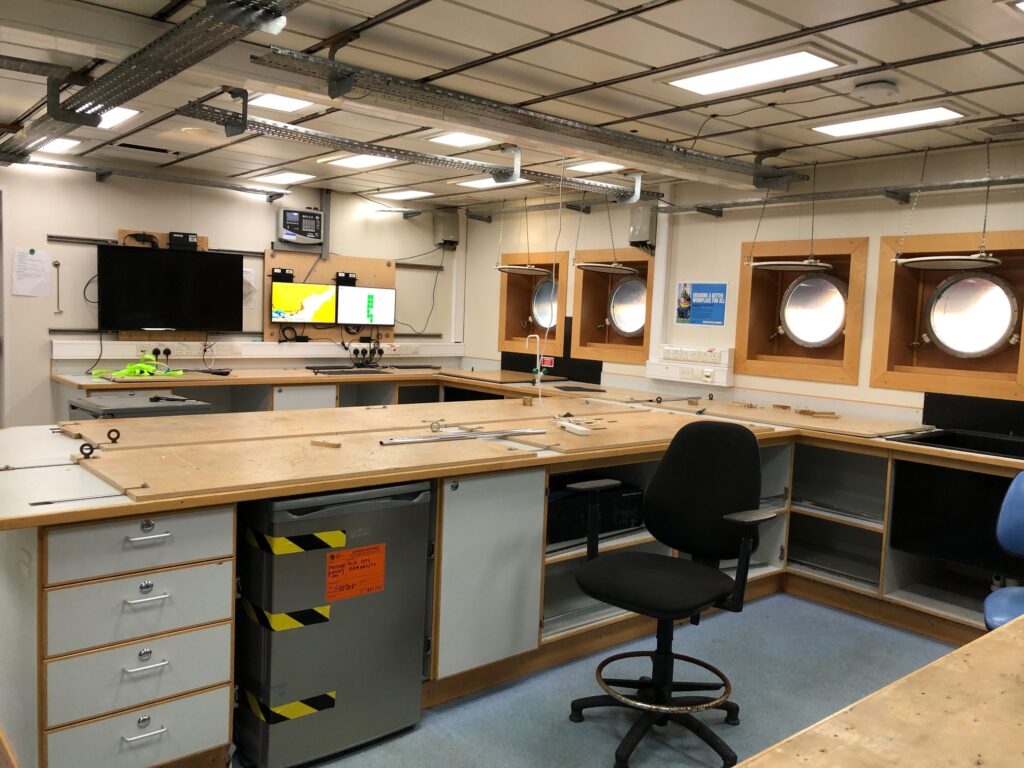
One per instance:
(77, 553)
(92, 684)
(106, 612)
(145, 736)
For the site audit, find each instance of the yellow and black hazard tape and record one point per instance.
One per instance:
(304, 542)
(279, 622)
(293, 710)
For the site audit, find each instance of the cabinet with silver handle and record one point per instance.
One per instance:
(77, 553)
(92, 684)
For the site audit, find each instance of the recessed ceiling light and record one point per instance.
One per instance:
(404, 194)
(755, 73)
(59, 145)
(284, 177)
(279, 103)
(116, 116)
(362, 161)
(1020, 6)
(890, 122)
(489, 182)
(457, 139)
(597, 166)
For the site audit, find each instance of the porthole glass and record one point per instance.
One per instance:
(972, 314)
(813, 312)
(544, 305)
(627, 308)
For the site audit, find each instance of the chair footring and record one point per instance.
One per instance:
(659, 660)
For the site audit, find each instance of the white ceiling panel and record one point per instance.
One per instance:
(894, 37)
(517, 74)
(983, 24)
(862, 147)
(809, 13)
(540, 14)
(806, 156)
(643, 43)
(464, 26)
(120, 153)
(577, 62)
(427, 52)
(1014, 55)
(574, 112)
(966, 72)
(1003, 101)
(363, 7)
(319, 21)
(616, 101)
(139, 7)
(933, 138)
(17, 94)
(720, 23)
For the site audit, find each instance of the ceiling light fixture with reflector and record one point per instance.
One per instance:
(810, 264)
(403, 194)
(459, 139)
(755, 73)
(597, 166)
(528, 269)
(284, 177)
(279, 103)
(361, 161)
(893, 122)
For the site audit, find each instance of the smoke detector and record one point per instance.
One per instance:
(875, 90)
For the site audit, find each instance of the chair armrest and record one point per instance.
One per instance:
(750, 516)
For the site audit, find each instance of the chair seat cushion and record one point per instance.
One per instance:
(654, 585)
(1003, 605)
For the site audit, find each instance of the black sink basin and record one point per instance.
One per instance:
(965, 440)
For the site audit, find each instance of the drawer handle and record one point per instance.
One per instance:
(143, 539)
(140, 737)
(146, 668)
(143, 600)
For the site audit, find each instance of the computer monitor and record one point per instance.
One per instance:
(303, 303)
(161, 288)
(365, 306)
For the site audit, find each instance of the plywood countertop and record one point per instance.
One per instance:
(788, 417)
(268, 425)
(964, 709)
(243, 377)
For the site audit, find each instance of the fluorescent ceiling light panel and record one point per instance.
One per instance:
(404, 194)
(755, 73)
(458, 139)
(489, 183)
(890, 122)
(59, 145)
(597, 166)
(116, 116)
(362, 161)
(1020, 6)
(284, 177)
(279, 103)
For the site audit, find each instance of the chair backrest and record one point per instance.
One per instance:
(1010, 526)
(711, 468)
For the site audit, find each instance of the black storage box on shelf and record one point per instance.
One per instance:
(567, 512)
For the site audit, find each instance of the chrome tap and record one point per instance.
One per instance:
(537, 370)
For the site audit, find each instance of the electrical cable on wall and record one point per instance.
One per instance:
(433, 299)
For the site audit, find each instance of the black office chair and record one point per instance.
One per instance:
(703, 502)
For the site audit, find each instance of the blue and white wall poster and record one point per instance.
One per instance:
(700, 303)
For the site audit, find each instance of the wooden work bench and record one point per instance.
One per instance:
(962, 710)
(829, 482)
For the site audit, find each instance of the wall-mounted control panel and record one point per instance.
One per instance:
(304, 226)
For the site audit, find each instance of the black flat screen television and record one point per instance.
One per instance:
(141, 288)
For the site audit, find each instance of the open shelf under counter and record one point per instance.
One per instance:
(837, 553)
(823, 574)
(957, 602)
(836, 516)
(606, 545)
(558, 627)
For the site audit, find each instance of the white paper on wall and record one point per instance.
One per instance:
(31, 273)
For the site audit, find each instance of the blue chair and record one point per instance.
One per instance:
(1007, 603)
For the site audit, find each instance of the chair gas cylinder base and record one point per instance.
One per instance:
(716, 468)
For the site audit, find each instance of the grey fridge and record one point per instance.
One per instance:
(331, 628)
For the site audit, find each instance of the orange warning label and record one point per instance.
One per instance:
(355, 572)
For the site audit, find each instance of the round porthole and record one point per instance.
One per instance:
(544, 305)
(813, 312)
(627, 308)
(972, 314)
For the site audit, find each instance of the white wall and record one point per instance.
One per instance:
(41, 201)
(705, 249)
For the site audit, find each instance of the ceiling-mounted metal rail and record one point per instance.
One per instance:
(422, 98)
(291, 132)
(900, 193)
(102, 173)
(208, 30)
(43, 69)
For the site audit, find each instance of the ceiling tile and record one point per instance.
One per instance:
(808, 13)
(932, 138)
(1003, 101)
(984, 22)
(463, 25)
(518, 74)
(895, 37)
(964, 72)
(720, 23)
(577, 62)
(640, 42)
(541, 14)
(617, 101)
